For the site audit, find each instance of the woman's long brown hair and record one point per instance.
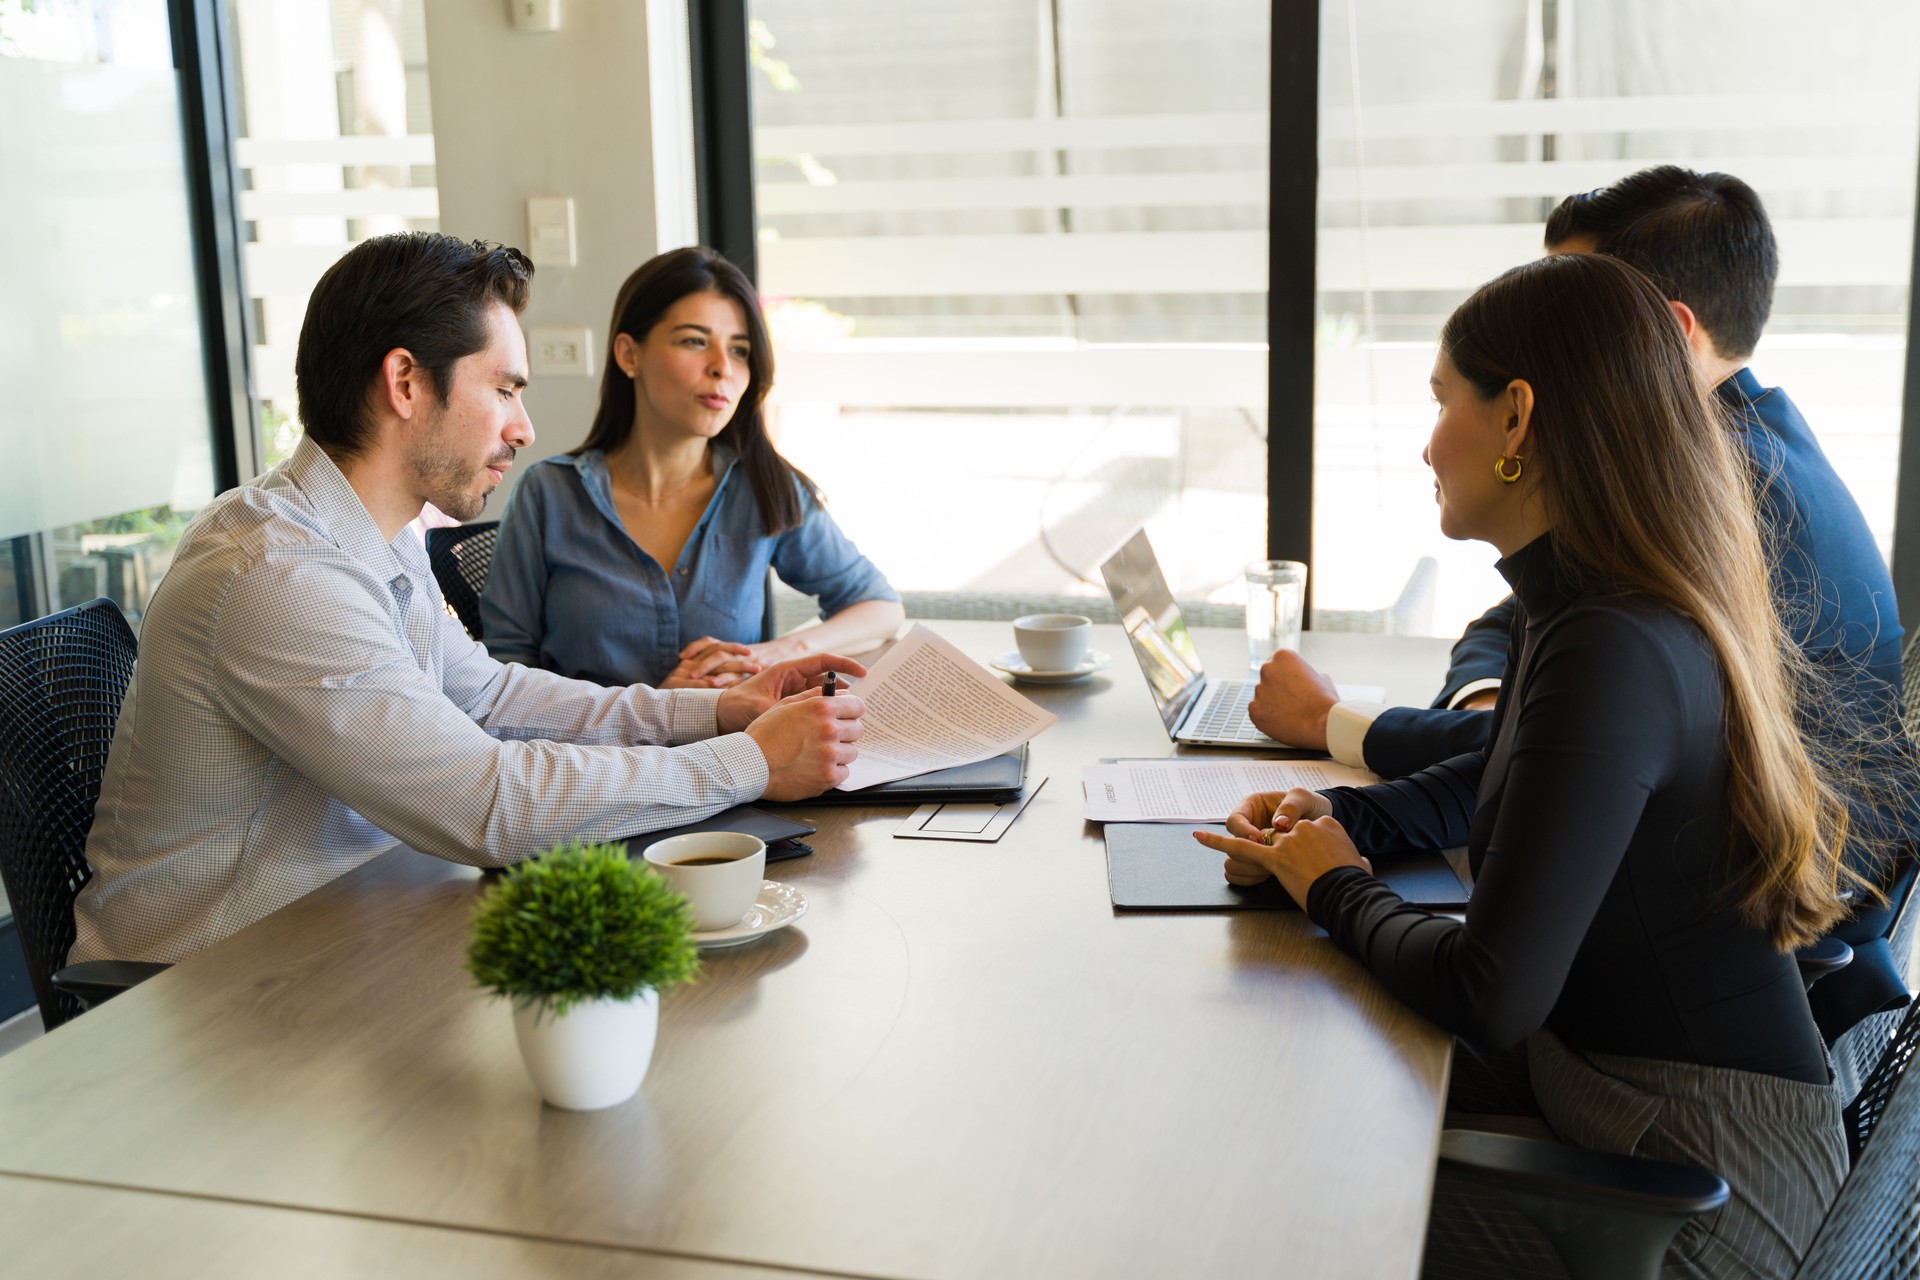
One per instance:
(1645, 492)
(655, 286)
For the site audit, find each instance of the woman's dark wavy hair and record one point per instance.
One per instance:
(642, 301)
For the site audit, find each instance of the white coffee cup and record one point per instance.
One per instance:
(717, 872)
(1053, 641)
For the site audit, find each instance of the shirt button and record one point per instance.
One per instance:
(401, 584)
(682, 572)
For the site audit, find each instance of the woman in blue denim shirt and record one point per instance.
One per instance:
(641, 557)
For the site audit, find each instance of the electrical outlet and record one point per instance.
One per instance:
(561, 352)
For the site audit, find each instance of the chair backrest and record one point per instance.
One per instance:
(1856, 1053)
(460, 557)
(989, 606)
(979, 606)
(1409, 615)
(62, 679)
(1859, 1050)
(1910, 687)
(1873, 1229)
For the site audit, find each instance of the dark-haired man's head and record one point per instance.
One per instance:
(430, 295)
(410, 370)
(1702, 237)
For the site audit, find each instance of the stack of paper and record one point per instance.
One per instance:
(929, 707)
(1187, 790)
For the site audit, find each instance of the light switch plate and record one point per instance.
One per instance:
(550, 231)
(561, 351)
(535, 15)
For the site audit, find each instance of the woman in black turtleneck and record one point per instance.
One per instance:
(1648, 836)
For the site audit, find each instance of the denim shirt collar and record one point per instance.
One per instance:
(598, 481)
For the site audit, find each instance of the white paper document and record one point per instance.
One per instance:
(1186, 790)
(930, 706)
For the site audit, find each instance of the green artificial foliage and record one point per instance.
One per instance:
(581, 922)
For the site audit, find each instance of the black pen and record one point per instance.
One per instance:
(827, 689)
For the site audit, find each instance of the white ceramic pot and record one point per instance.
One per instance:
(593, 1056)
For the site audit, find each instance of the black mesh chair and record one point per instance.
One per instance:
(1865, 1034)
(460, 557)
(62, 678)
(1613, 1217)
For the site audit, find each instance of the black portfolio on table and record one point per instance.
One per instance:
(781, 834)
(996, 779)
(1159, 866)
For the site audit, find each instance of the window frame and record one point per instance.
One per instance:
(723, 146)
(202, 49)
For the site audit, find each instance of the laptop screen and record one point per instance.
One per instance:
(1154, 627)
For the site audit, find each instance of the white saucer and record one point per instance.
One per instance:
(778, 906)
(1016, 666)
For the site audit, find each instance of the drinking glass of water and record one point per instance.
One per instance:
(1276, 597)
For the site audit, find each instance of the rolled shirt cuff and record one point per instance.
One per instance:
(743, 765)
(1347, 725)
(1470, 688)
(696, 717)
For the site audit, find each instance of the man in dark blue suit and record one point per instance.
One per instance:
(1705, 240)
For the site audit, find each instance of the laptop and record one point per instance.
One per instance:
(1197, 709)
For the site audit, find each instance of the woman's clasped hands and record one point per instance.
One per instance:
(1290, 835)
(708, 663)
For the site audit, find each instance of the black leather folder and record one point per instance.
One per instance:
(985, 781)
(781, 834)
(1159, 866)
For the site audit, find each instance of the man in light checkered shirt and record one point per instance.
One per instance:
(302, 698)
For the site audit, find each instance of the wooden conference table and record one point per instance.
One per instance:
(961, 1062)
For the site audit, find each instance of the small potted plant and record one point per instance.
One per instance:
(583, 942)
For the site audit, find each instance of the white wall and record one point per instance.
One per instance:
(519, 114)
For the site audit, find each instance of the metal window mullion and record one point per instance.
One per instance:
(723, 130)
(201, 48)
(1293, 168)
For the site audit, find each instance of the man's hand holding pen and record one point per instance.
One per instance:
(803, 725)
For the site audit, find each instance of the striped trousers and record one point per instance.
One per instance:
(1778, 1144)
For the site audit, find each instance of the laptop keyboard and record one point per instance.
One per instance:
(1224, 718)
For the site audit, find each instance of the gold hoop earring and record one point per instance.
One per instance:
(1500, 468)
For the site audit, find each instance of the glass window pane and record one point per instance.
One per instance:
(100, 320)
(1474, 119)
(1019, 249)
(100, 346)
(336, 146)
(108, 431)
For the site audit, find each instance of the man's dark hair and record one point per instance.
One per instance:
(1702, 237)
(426, 292)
